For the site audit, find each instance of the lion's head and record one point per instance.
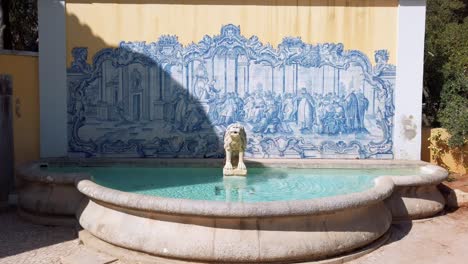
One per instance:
(235, 133)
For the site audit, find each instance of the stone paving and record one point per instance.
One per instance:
(442, 239)
(25, 243)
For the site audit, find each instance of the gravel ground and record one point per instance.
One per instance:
(442, 239)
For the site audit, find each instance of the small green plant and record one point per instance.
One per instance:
(450, 178)
(439, 146)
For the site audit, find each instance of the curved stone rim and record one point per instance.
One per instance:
(382, 189)
(431, 175)
(31, 171)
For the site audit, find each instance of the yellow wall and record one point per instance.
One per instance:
(25, 75)
(454, 160)
(365, 25)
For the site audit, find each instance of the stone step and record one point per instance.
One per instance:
(88, 256)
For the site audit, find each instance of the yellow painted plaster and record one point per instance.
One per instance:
(365, 25)
(25, 76)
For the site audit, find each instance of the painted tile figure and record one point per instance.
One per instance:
(306, 112)
(163, 99)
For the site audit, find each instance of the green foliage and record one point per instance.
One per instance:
(445, 68)
(454, 109)
(20, 24)
(24, 25)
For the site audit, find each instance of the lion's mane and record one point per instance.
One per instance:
(242, 139)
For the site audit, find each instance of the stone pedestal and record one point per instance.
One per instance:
(235, 172)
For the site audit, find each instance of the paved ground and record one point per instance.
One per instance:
(441, 240)
(25, 243)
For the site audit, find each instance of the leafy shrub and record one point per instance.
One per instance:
(445, 67)
(454, 109)
(19, 24)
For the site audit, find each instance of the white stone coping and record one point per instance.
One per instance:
(430, 175)
(32, 172)
(383, 188)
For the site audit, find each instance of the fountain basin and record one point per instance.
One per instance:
(271, 231)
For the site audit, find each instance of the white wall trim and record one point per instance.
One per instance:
(409, 79)
(52, 78)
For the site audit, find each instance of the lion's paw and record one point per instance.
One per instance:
(228, 166)
(241, 166)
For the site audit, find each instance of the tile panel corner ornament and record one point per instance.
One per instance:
(162, 99)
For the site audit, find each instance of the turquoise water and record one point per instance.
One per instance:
(260, 185)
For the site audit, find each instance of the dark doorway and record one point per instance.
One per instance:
(6, 139)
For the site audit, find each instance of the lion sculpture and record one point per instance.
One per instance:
(235, 142)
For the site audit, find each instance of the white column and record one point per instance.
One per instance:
(409, 79)
(52, 78)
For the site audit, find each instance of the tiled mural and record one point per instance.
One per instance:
(163, 99)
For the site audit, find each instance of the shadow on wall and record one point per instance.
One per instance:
(133, 101)
(128, 103)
